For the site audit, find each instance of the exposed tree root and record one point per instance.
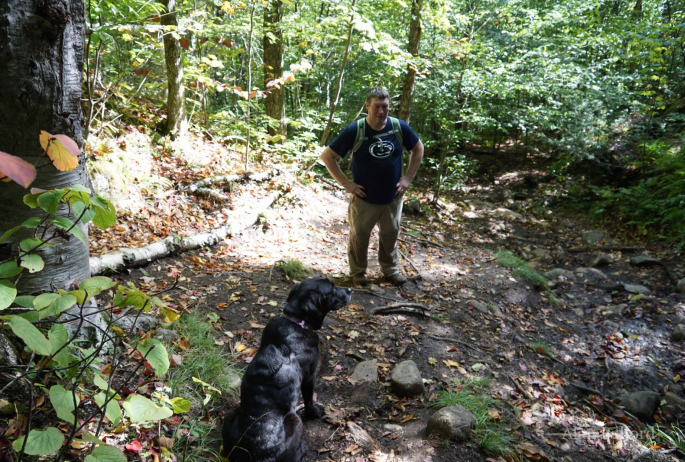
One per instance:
(398, 307)
(130, 258)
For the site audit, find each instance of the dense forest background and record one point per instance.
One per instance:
(596, 85)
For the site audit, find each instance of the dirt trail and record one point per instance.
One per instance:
(544, 351)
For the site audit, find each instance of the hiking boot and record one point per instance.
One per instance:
(396, 279)
(360, 280)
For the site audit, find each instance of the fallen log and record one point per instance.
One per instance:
(122, 259)
(402, 307)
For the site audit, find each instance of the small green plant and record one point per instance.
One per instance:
(439, 318)
(521, 268)
(656, 435)
(293, 269)
(541, 347)
(473, 394)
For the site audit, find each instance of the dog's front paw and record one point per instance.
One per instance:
(313, 412)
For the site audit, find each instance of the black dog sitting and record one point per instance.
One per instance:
(265, 427)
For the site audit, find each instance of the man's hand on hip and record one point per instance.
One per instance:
(402, 186)
(354, 189)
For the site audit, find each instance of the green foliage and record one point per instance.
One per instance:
(58, 358)
(521, 268)
(541, 347)
(473, 394)
(657, 435)
(292, 269)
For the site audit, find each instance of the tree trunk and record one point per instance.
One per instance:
(273, 65)
(42, 56)
(173, 55)
(327, 130)
(413, 48)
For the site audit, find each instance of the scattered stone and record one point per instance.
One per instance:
(454, 423)
(132, 323)
(366, 371)
(591, 274)
(542, 256)
(603, 259)
(565, 447)
(593, 237)
(479, 204)
(674, 388)
(642, 404)
(611, 325)
(615, 310)
(406, 379)
(678, 333)
(644, 260)
(393, 428)
(482, 307)
(680, 288)
(506, 213)
(412, 207)
(560, 273)
(566, 223)
(166, 335)
(674, 400)
(636, 289)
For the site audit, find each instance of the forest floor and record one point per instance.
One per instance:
(557, 359)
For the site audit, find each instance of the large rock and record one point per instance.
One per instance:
(506, 213)
(593, 237)
(678, 333)
(680, 288)
(644, 260)
(602, 259)
(453, 423)
(591, 274)
(406, 379)
(135, 322)
(642, 404)
(636, 289)
(366, 371)
(559, 273)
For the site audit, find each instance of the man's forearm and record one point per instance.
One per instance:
(328, 157)
(415, 159)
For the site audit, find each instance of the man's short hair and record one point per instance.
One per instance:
(378, 93)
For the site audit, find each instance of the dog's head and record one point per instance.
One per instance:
(312, 299)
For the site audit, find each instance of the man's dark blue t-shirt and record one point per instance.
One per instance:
(377, 164)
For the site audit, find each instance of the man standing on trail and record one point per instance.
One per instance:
(378, 185)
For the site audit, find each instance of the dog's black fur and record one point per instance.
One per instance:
(265, 427)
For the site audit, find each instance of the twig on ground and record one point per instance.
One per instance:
(418, 273)
(454, 340)
(371, 292)
(426, 241)
(354, 355)
(520, 389)
(272, 268)
(399, 306)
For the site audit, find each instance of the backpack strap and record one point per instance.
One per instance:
(397, 130)
(361, 132)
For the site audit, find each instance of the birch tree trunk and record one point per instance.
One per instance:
(413, 48)
(42, 56)
(173, 55)
(273, 65)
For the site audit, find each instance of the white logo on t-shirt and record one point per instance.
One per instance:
(381, 148)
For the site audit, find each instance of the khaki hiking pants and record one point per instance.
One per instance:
(362, 217)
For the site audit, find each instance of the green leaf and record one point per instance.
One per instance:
(157, 356)
(25, 301)
(63, 402)
(58, 337)
(65, 223)
(8, 292)
(42, 301)
(141, 409)
(32, 262)
(31, 222)
(31, 200)
(32, 243)
(82, 211)
(181, 405)
(105, 213)
(112, 411)
(41, 442)
(96, 285)
(33, 338)
(106, 454)
(9, 232)
(100, 382)
(60, 304)
(10, 269)
(130, 296)
(79, 294)
(89, 437)
(49, 200)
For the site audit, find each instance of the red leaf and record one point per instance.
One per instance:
(185, 43)
(17, 169)
(134, 446)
